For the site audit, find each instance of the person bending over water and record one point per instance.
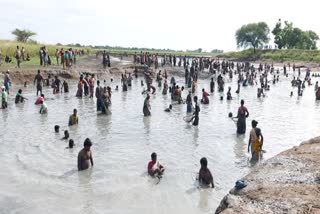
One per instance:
(19, 98)
(168, 109)
(205, 98)
(146, 106)
(255, 141)
(85, 156)
(73, 119)
(43, 108)
(205, 176)
(39, 99)
(243, 113)
(154, 167)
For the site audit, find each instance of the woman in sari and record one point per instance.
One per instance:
(105, 101)
(242, 115)
(255, 141)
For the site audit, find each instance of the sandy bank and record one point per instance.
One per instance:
(286, 183)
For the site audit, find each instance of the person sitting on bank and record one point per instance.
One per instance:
(154, 167)
(205, 176)
(73, 119)
(85, 156)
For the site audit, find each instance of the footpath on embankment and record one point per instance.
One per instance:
(286, 183)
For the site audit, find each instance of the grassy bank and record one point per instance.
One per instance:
(274, 55)
(9, 47)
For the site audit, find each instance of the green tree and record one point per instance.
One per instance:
(294, 38)
(22, 35)
(254, 35)
(311, 40)
(282, 36)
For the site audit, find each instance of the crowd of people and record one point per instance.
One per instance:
(88, 86)
(66, 58)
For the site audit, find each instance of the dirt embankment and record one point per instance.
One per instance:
(88, 64)
(286, 183)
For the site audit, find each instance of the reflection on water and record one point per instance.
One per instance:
(36, 164)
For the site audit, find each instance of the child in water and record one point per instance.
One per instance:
(205, 176)
(66, 135)
(154, 167)
(71, 144)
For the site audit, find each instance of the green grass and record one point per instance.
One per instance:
(275, 55)
(9, 47)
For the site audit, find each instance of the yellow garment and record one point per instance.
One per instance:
(73, 120)
(255, 144)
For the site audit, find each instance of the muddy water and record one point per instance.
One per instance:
(38, 175)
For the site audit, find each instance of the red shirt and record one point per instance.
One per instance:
(151, 164)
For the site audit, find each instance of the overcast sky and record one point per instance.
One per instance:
(174, 24)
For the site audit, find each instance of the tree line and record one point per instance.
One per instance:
(286, 36)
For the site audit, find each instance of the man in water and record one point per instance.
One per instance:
(73, 119)
(7, 82)
(212, 86)
(85, 155)
(205, 176)
(57, 85)
(146, 106)
(154, 167)
(65, 86)
(255, 141)
(38, 79)
(19, 98)
(4, 98)
(189, 102)
(196, 111)
(99, 93)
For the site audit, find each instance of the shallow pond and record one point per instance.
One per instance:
(39, 175)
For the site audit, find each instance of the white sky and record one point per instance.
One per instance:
(174, 24)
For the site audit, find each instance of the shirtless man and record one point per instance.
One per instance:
(85, 156)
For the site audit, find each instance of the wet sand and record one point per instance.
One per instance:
(286, 183)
